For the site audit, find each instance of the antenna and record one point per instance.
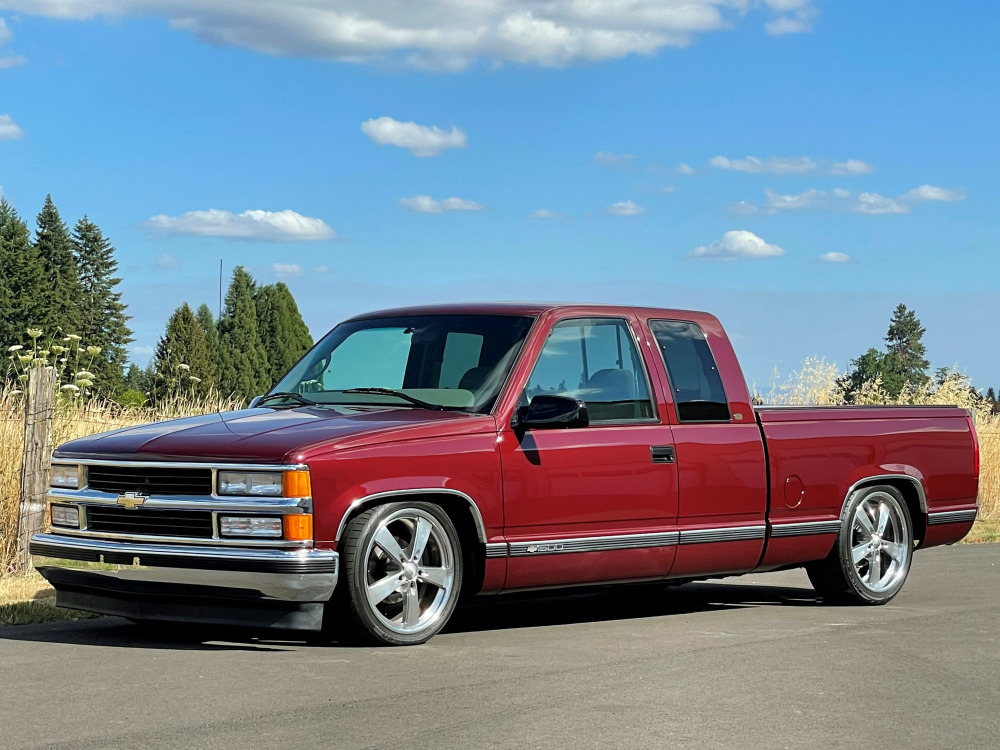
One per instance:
(220, 288)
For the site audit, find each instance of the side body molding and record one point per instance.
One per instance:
(477, 516)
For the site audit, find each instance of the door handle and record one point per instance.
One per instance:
(662, 454)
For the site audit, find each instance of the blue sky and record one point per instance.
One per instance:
(840, 157)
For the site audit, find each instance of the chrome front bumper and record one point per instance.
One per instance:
(226, 585)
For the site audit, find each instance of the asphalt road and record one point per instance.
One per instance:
(754, 662)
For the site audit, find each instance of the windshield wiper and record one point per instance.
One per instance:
(398, 394)
(296, 397)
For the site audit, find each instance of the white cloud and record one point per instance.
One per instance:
(851, 167)
(286, 269)
(8, 61)
(625, 208)
(544, 213)
(782, 165)
(322, 269)
(806, 199)
(841, 193)
(166, 262)
(143, 349)
(796, 19)
(683, 169)
(610, 159)
(932, 193)
(263, 226)
(424, 204)
(770, 165)
(875, 204)
(737, 244)
(835, 258)
(9, 130)
(419, 140)
(448, 34)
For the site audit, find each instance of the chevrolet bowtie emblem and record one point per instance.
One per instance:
(131, 500)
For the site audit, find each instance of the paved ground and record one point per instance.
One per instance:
(753, 662)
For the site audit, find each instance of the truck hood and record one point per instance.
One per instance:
(272, 435)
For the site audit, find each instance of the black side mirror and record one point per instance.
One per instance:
(547, 412)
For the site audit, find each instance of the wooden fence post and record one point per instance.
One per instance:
(39, 416)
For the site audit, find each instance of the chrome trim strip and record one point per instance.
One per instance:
(153, 539)
(496, 549)
(804, 528)
(875, 479)
(175, 550)
(477, 516)
(952, 516)
(593, 544)
(191, 502)
(180, 464)
(729, 534)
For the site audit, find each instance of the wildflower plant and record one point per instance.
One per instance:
(65, 352)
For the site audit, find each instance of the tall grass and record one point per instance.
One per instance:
(74, 419)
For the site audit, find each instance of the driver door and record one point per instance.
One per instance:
(589, 504)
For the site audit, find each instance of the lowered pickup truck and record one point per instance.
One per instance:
(416, 456)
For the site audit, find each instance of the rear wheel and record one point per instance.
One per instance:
(402, 567)
(874, 549)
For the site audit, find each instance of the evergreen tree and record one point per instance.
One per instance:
(103, 321)
(867, 367)
(58, 307)
(243, 363)
(182, 362)
(991, 396)
(208, 324)
(21, 274)
(136, 379)
(904, 358)
(282, 330)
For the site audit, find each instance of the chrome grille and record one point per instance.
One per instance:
(153, 480)
(148, 522)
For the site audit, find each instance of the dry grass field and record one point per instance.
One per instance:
(814, 384)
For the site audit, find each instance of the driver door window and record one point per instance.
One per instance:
(594, 360)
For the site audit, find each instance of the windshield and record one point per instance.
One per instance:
(436, 361)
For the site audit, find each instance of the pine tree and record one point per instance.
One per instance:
(244, 370)
(282, 330)
(208, 324)
(21, 278)
(904, 359)
(103, 321)
(867, 367)
(182, 362)
(58, 306)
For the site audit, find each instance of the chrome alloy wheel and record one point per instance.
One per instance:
(409, 571)
(880, 547)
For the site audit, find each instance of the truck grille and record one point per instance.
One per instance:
(146, 522)
(149, 481)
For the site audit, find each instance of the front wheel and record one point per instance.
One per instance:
(402, 567)
(874, 549)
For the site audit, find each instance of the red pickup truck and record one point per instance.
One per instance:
(416, 456)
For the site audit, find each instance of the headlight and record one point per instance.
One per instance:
(252, 483)
(65, 515)
(250, 526)
(65, 476)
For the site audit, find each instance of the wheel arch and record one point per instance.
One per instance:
(909, 487)
(461, 509)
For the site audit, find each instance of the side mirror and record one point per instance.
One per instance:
(254, 401)
(548, 412)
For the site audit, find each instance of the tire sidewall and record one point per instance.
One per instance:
(356, 581)
(859, 589)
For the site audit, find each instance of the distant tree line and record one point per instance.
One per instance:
(901, 363)
(64, 283)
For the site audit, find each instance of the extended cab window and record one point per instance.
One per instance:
(694, 377)
(594, 360)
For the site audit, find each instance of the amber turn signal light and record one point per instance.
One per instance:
(297, 484)
(298, 527)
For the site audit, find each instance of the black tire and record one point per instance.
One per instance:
(429, 579)
(877, 576)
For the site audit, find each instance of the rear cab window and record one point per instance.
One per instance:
(695, 382)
